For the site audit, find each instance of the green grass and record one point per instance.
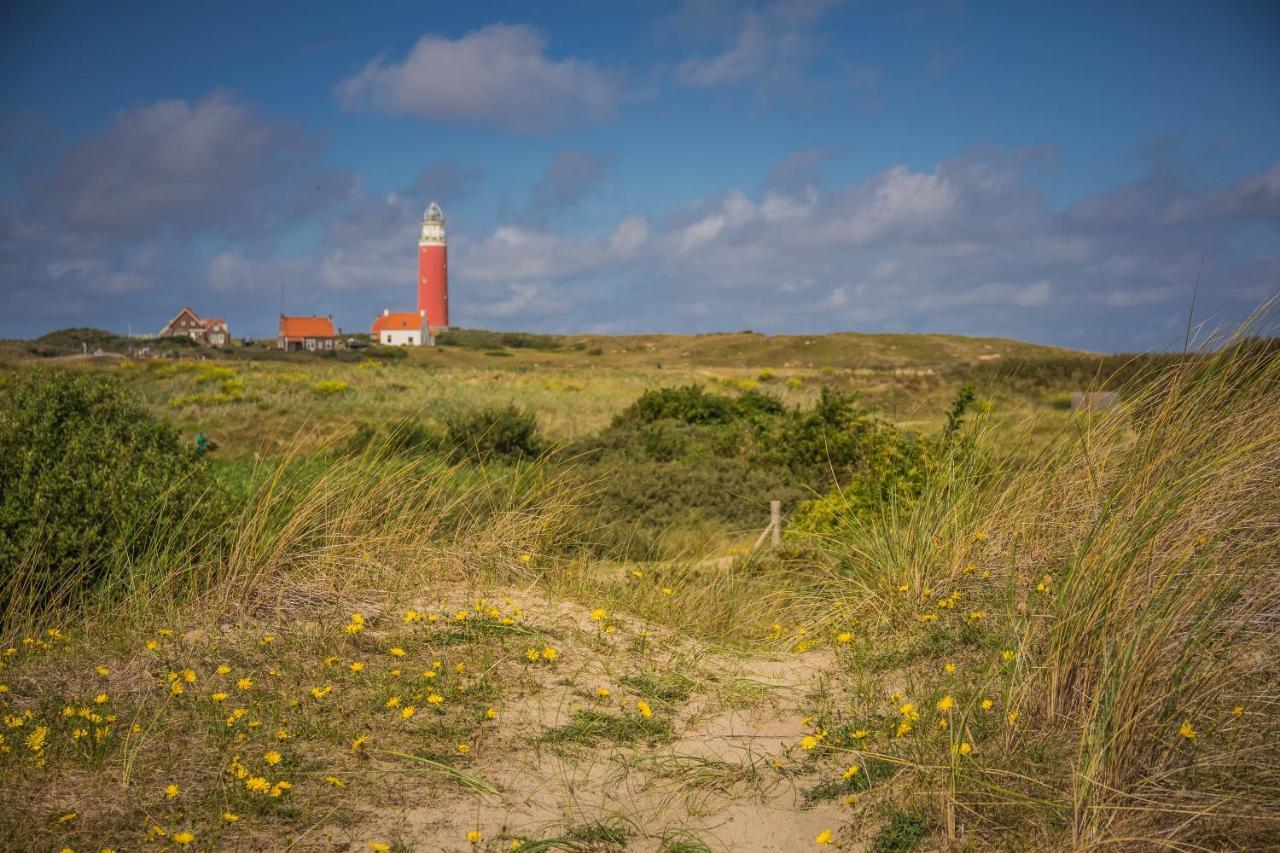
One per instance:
(589, 727)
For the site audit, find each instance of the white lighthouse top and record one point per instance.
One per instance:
(433, 225)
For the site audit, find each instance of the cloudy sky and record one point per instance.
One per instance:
(1054, 172)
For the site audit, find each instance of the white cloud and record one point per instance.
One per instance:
(498, 75)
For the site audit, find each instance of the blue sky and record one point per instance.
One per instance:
(1059, 173)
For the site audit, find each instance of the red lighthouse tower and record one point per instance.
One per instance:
(433, 269)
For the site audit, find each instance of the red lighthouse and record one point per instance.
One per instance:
(433, 269)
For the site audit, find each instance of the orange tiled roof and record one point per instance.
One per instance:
(396, 320)
(306, 327)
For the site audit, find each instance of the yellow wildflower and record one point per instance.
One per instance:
(273, 758)
(102, 670)
(230, 817)
(436, 699)
(379, 847)
(823, 837)
(474, 836)
(602, 692)
(408, 711)
(223, 669)
(491, 714)
(1186, 730)
(846, 637)
(550, 653)
(464, 748)
(182, 839)
(172, 791)
(219, 697)
(356, 666)
(644, 709)
(358, 742)
(850, 771)
(335, 781)
(396, 651)
(393, 702)
(946, 703)
(598, 614)
(986, 704)
(808, 742)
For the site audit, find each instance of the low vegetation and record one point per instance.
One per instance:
(465, 627)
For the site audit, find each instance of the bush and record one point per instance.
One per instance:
(330, 387)
(90, 482)
(506, 434)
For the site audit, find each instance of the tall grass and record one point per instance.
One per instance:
(1135, 568)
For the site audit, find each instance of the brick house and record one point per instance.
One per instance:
(186, 324)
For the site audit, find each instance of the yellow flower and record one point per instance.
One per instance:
(964, 748)
(598, 614)
(491, 714)
(102, 670)
(223, 669)
(1012, 717)
(393, 702)
(356, 625)
(101, 699)
(666, 590)
(176, 688)
(183, 838)
(550, 653)
(321, 692)
(636, 573)
(244, 683)
(230, 817)
(1238, 710)
(904, 727)
(257, 784)
(808, 742)
(644, 709)
(846, 637)
(67, 818)
(396, 651)
(949, 667)
(850, 771)
(524, 558)
(860, 734)
(267, 639)
(1186, 730)
(986, 704)
(152, 645)
(379, 847)
(928, 617)
(189, 676)
(435, 699)
(908, 711)
(531, 654)
(335, 781)
(1006, 655)
(411, 616)
(219, 697)
(977, 615)
(408, 711)
(464, 748)
(357, 666)
(946, 703)
(358, 742)
(172, 791)
(272, 758)
(602, 692)
(474, 836)
(824, 837)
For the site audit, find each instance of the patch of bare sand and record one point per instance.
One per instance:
(726, 780)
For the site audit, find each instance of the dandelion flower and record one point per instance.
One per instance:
(182, 839)
(644, 709)
(524, 558)
(602, 692)
(358, 742)
(102, 670)
(946, 703)
(436, 699)
(408, 711)
(491, 714)
(846, 637)
(474, 836)
(411, 616)
(1238, 710)
(850, 771)
(1186, 730)
(928, 617)
(379, 847)
(393, 702)
(335, 781)
(356, 666)
(550, 653)
(531, 654)
(223, 669)
(636, 573)
(808, 742)
(67, 818)
(172, 791)
(1012, 717)
(964, 748)
(598, 614)
(949, 667)
(219, 697)
(986, 704)
(176, 688)
(823, 837)
(860, 734)
(273, 758)
(666, 590)
(257, 784)
(464, 748)
(1006, 655)
(230, 817)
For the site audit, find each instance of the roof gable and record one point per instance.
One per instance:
(306, 327)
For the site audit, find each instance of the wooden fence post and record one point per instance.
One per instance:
(775, 522)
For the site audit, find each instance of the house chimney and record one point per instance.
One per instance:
(386, 312)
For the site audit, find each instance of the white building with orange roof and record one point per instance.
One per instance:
(400, 329)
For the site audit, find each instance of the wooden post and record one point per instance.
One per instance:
(775, 522)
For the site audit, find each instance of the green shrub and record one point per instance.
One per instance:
(506, 434)
(89, 482)
(330, 387)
